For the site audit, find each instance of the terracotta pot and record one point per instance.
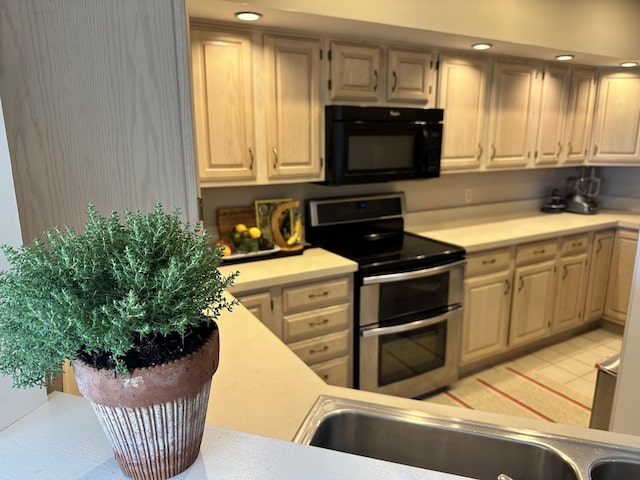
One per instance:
(154, 417)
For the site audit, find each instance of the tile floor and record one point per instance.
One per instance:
(572, 362)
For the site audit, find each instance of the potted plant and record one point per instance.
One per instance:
(132, 303)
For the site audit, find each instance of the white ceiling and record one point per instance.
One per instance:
(594, 36)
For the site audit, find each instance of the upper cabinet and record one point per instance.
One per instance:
(358, 72)
(551, 120)
(355, 72)
(582, 95)
(409, 75)
(616, 133)
(223, 105)
(292, 107)
(462, 93)
(513, 114)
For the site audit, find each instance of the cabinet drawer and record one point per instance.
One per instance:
(487, 262)
(574, 245)
(322, 348)
(312, 294)
(334, 372)
(536, 252)
(316, 322)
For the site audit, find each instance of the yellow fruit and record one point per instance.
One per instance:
(241, 227)
(255, 232)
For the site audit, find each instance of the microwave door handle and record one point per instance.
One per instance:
(407, 327)
(397, 277)
(420, 146)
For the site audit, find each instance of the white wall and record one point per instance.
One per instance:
(15, 403)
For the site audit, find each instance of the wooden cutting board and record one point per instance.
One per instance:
(228, 218)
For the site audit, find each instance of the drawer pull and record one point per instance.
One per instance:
(316, 295)
(576, 244)
(313, 351)
(540, 251)
(324, 321)
(489, 262)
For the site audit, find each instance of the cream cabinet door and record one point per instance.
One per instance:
(513, 114)
(551, 119)
(533, 297)
(598, 274)
(616, 132)
(462, 93)
(621, 275)
(292, 104)
(355, 72)
(570, 292)
(409, 76)
(223, 105)
(485, 326)
(259, 304)
(582, 96)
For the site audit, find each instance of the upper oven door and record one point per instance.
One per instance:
(398, 297)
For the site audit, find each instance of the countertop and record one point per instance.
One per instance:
(478, 236)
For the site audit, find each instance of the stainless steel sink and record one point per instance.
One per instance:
(470, 449)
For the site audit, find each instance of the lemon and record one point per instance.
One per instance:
(255, 232)
(241, 227)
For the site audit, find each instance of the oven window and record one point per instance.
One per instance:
(407, 354)
(409, 297)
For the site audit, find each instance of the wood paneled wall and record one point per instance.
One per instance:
(97, 107)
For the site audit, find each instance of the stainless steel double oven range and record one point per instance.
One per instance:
(408, 297)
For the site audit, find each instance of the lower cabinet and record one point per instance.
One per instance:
(315, 320)
(534, 292)
(599, 264)
(487, 301)
(621, 275)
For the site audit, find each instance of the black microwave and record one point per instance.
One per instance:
(381, 144)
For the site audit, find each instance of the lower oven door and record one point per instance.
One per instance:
(411, 359)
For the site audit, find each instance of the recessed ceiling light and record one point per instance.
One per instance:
(629, 64)
(481, 46)
(248, 16)
(564, 58)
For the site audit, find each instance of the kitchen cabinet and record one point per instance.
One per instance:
(554, 98)
(579, 120)
(462, 93)
(533, 295)
(487, 301)
(621, 275)
(222, 78)
(314, 319)
(409, 75)
(513, 113)
(292, 108)
(616, 132)
(572, 282)
(355, 72)
(599, 262)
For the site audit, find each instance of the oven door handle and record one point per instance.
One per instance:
(407, 327)
(397, 277)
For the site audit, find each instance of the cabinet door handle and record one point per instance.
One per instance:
(595, 148)
(316, 295)
(559, 149)
(479, 151)
(324, 321)
(507, 286)
(599, 246)
(565, 272)
(521, 284)
(250, 159)
(493, 151)
(275, 158)
(375, 86)
(570, 148)
(313, 351)
(395, 81)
